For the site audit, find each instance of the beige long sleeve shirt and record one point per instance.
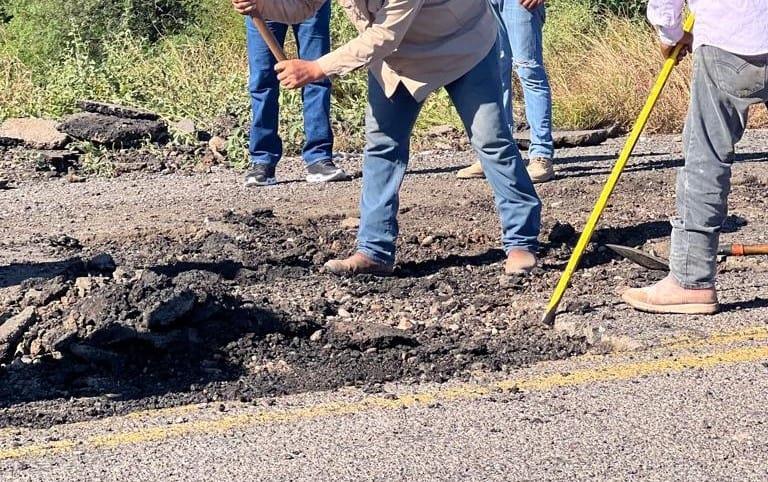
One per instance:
(423, 44)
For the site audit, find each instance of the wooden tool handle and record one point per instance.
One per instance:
(269, 38)
(744, 249)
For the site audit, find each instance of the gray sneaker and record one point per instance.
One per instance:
(260, 175)
(325, 171)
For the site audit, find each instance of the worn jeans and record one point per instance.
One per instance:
(389, 124)
(724, 86)
(313, 41)
(521, 41)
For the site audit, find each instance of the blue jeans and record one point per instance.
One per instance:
(313, 40)
(520, 38)
(389, 123)
(724, 86)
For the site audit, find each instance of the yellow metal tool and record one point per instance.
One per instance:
(594, 218)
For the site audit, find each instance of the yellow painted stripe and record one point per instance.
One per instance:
(626, 371)
(673, 344)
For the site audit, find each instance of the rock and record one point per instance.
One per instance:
(103, 262)
(317, 336)
(64, 241)
(34, 133)
(185, 127)
(441, 131)
(116, 110)
(567, 138)
(73, 178)
(4, 184)
(370, 336)
(428, 241)
(113, 131)
(60, 160)
(218, 146)
(351, 223)
(84, 285)
(562, 233)
(96, 356)
(344, 313)
(13, 329)
(172, 307)
(405, 325)
(45, 293)
(9, 141)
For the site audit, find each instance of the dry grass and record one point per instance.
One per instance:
(601, 71)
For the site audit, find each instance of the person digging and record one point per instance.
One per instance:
(411, 49)
(730, 43)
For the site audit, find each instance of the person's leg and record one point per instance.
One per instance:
(475, 171)
(388, 126)
(265, 146)
(313, 38)
(724, 85)
(524, 28)
(478, 100)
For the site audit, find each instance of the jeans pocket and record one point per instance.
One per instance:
(740, 76)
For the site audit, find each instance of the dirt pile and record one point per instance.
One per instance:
(220, 315)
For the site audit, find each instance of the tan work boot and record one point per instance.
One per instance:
(475, 171)
(540, 170)
(519, 261)
(667, 296)
(358, 263)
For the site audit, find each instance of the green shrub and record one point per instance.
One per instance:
(40, 32)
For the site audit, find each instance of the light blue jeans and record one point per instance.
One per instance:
(724, 86)
(389, 124)
(521, 41)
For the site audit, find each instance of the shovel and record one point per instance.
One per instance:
(655, 263)
(610, 185)
(269, 38)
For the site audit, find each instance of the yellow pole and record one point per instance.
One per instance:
(594, 218)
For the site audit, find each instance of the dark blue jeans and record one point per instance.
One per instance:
(477, 97)
(313, 40)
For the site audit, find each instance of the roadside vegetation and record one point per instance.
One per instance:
(186, 59)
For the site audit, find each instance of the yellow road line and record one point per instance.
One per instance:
(678, 343)
(626, 371)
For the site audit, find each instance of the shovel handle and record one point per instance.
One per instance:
(744, 250)
(269, 38)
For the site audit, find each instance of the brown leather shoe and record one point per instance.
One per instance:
(519, 261)
(358, 263)
(667, 296)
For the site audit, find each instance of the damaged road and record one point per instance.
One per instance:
(186, 332)
(155, 290)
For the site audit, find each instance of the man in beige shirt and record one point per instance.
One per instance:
(412, 48)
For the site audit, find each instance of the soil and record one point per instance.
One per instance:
(155, 290)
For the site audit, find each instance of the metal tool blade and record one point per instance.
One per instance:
(637, 256)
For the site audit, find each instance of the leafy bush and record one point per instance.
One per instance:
(39, 31)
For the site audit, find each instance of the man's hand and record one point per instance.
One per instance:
(245, 7)
(531, 4)
(295, 74)
(687, 43)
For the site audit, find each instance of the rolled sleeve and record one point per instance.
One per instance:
(379, 40)
(667, 17)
